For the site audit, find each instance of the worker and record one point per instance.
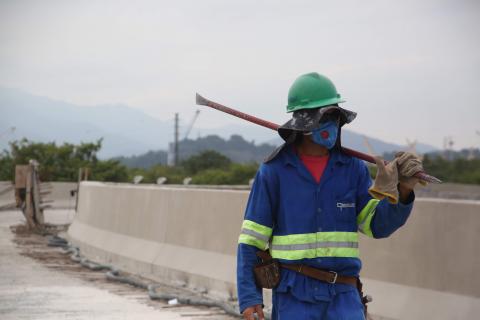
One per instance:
(308, 202)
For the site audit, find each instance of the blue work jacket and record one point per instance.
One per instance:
(317, 224)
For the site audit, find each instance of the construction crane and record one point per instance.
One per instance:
(192, 122)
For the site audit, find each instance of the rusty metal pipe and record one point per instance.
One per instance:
(357, 154)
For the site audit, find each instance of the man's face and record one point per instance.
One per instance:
(326, 132)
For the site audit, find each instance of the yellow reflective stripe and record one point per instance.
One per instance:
(364, 218)
(251, 225)
(250, 240)
(333, 236)
(315, 253)
(255, 234)
(314, 245)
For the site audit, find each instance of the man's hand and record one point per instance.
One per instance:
(386, 181)
(248, 313)
(408, 165)
(395, 180)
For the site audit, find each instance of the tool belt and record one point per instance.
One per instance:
(267, 275)
(267, 272)
(322, 275)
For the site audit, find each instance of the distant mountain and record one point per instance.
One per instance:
(146, 160)
(128, 131)
(125, 130)
(242, 151)
(236, 148)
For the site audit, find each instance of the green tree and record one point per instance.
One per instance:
(109, 170)
(174, 175)
(61, 163)
(206, 160)
(241, 174)
(6, 166)
(212, 176)
(234, 174)
(459, 170)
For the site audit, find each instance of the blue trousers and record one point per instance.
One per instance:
(343, 306)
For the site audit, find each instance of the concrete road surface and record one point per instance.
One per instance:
(36, 284)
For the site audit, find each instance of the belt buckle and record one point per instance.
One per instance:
(335, 275)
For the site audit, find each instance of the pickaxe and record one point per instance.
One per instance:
(205, 102)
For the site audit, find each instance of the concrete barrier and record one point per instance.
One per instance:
(190, 235)
(59, 193)
(451, 191)
(429, 268)
(179, 234)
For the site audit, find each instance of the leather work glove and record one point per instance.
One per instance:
(408, 165)
(248, 313)
(386, 181)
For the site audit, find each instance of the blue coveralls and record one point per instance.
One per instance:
(305, 222)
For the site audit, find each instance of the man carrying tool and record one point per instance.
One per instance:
(306, 206)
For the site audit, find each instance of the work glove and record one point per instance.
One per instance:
(386, 181)
(408, 164)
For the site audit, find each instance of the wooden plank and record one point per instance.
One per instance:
(28, 210)
(21, 172)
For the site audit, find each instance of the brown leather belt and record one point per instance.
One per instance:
(322, 275)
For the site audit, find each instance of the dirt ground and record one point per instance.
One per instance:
(41, 282)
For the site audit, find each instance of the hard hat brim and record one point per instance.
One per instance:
(315, 104)
(305, 120)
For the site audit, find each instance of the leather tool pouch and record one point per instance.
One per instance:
(267, 272)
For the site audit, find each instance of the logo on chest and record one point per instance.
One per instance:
(343, 205)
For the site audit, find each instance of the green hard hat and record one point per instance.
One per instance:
(312, 90)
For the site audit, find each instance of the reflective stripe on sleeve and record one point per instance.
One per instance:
(251, 225)
(314, 245)
(255, 234)
(364, 218)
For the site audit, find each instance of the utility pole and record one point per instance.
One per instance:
(447, 147)
(175, 155)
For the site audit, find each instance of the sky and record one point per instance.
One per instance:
(410, 69)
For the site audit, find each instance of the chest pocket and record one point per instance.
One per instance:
(346, 211)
